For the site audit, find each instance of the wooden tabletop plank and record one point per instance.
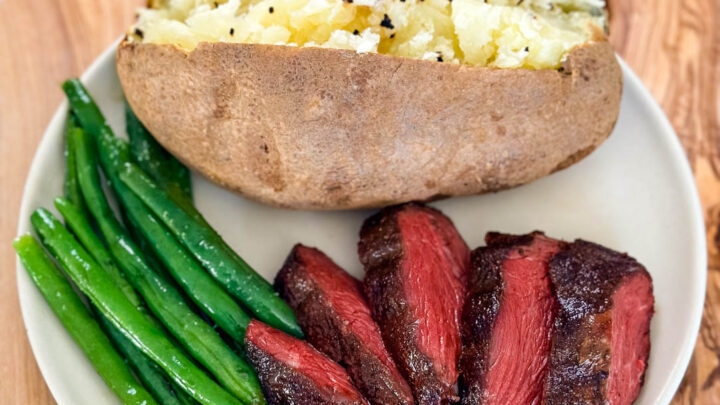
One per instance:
(42, 43)
(673, 45)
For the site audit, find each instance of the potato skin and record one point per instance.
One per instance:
(314, 128)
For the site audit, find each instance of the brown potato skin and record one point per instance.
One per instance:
(313, 128)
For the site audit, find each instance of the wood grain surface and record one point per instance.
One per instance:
(673, 45)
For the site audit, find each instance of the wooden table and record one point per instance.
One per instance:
(673, 45)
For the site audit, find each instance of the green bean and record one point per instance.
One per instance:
(149, 373)
(95, 200)
(234, 320)
(93, 121)
(161, 297)
(162, 166)
(144, 245)
(78, 322)
(159, 164)
(89, 116)
(71, 122)
(80, 226)
(103, 293)
(153, 262)
(84, 108)
(71, 188)
(153, 159)
(238, 278)
(201, 288)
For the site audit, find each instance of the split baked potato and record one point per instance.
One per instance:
(332, 104)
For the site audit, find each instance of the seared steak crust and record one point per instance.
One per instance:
(585, 278)
(479, 314)
(325, 329)
(505, 240)
(382, 253)
(282, 385)
(291, 372)
(487, 293)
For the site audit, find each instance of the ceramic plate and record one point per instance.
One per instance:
(634, 194)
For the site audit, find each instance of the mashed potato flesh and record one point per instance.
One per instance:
(500, 33)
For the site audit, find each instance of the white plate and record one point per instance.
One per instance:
(635, 193)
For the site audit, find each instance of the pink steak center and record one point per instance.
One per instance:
(632, 302)
(302, 358)
(433, 270)
(344, 294)
(521, 337)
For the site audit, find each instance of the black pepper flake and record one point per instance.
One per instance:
(392, 35)
(356, 32)
(232, 31)
(348, 1)
(271, 9)
(387, 22)
(527, 49)
(519, 2)
(402, 1)
(139, 33)
(215, 4)
(439, 58)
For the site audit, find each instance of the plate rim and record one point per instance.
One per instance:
(672, 141)
(699, 231)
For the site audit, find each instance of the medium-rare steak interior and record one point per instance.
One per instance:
(552, 322)
(330, 308)
(601, 339)
(526, 319)
(293, 372)
(507, 320)
(416, 263)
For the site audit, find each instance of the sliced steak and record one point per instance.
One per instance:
(507, 320)
(330, 308)
(416, 264)
(601, 338)
(291, 372)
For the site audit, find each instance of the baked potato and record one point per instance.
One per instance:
(331, 104)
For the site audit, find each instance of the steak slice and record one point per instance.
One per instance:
(507, 320)
(601, 338)
(291, 372)
(335, 317)
(416, 264)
